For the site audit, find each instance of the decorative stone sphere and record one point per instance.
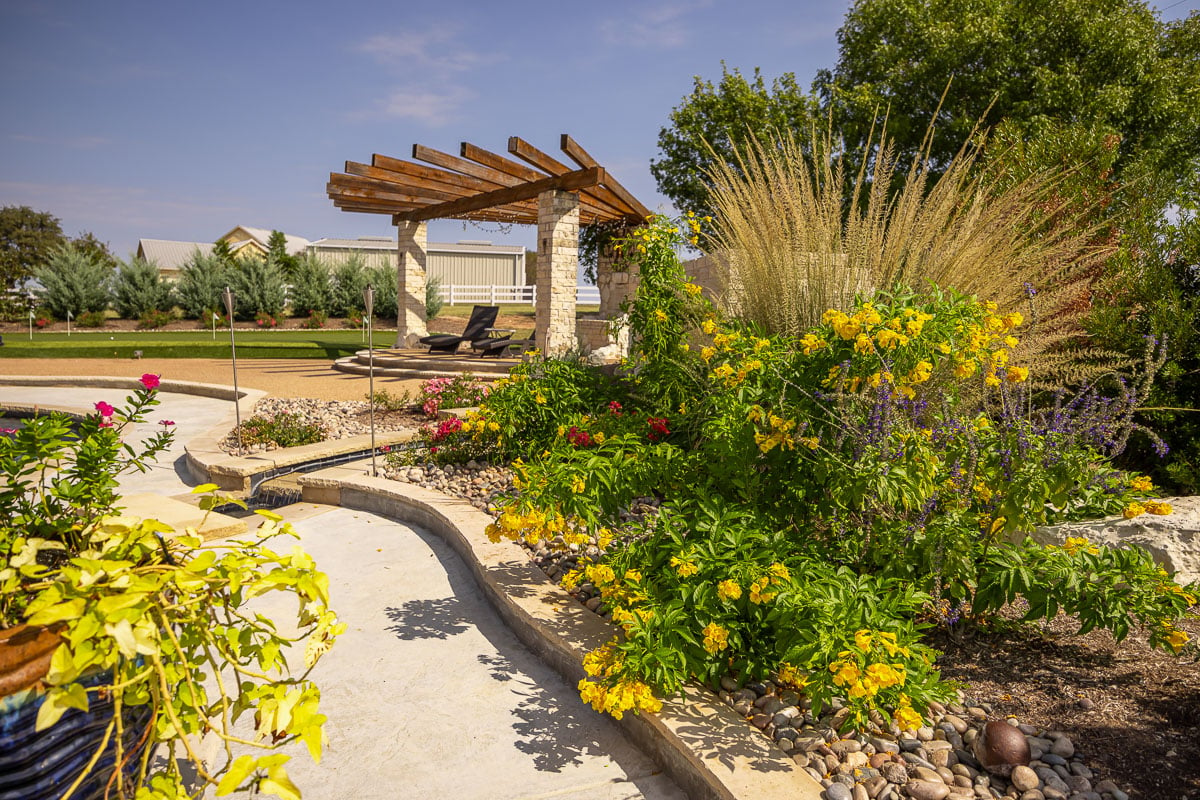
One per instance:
(1000, 747)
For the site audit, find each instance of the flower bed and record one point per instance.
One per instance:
(826, 501)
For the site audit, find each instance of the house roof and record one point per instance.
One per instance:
(295, 244)
(387, 243)
(170, 255)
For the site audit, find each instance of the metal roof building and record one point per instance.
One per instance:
(470, 263)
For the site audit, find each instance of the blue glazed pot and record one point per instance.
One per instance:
(41, 765)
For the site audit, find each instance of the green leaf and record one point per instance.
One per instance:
(62, 612)
(241, 769)
(57, 701)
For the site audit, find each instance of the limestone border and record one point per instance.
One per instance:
(702, 744)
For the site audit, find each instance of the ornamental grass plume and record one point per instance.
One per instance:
(800, 236)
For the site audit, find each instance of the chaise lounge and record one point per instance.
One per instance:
(477, 330)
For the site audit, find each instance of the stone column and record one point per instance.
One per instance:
(410, 282)
(615, 285)
(557, 270)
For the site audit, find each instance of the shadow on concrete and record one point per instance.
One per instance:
(724, 737)
(552, 724)
(428, 619)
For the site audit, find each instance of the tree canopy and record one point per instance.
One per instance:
(1100, 67)
(28, 239)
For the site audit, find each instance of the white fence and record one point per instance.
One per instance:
(458, 294)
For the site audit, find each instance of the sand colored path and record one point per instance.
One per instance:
(281, 377)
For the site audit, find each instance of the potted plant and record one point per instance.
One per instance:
(122, 642)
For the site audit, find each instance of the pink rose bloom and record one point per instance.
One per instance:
(150, 381)
(105, 409)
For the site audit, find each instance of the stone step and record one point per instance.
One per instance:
(181, 515)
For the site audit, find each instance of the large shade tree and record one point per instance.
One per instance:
(1105, 66)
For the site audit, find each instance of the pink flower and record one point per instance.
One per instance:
(387, 448)
(105, 409)
(150, 381)
(166, 423)
(106, 423)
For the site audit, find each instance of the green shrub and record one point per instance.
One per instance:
(387, 401)
(311, 289)
(73, 282)
(201, 281)
(91, 319)
(138, 290)
(258, 288)
(284, 429)
(383, 279)
(825, 495)
(433, 298)
(349, 280)
(154, 319)
(316, 320)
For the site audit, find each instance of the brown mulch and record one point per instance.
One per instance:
(1133, 712)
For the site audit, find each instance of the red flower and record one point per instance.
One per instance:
(387, 448)
(614, 407)
(166, 423)
(658, 428)
(105, 409)
(150, 381)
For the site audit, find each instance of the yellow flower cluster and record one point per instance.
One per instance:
(1076, 544)
(729, 590)
(788, 675)
(684, 569)
(759, 593)
(531, 527)
(1142, 484)
(866, 683)
(623, 694)
(691, 289)
(778, 431)
(905, 717)
(1175, 637)
(716, 638)
(1146, 507)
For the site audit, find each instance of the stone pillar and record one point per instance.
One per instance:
(557, 270)
(616, 285)
(410, 283)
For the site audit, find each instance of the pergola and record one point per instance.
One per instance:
(482, 186)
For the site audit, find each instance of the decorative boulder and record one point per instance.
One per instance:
(1000, 747)
(1172, 540)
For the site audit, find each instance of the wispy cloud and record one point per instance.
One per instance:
(663, 25)
(431, 107)
(438, 60)
(434, 50)
(73, 142)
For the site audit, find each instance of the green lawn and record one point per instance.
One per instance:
(191, 344)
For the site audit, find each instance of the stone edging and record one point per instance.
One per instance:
(703, 744)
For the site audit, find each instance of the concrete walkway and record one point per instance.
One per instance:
(428, 694)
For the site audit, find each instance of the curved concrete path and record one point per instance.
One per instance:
(428, 694)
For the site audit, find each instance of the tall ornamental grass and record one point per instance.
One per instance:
(801, 235)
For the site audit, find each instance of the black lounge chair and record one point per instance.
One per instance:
(482, 318)
(496, 348)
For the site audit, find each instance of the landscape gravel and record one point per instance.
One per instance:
(338, 418)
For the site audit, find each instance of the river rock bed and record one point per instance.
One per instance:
(338, 418)
(940, 763)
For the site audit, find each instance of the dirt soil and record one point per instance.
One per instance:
(1133, 712)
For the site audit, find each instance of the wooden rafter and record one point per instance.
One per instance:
(481, 185)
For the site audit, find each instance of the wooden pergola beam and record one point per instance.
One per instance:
(462, 166)
(606, 199)
(578, 179)
(583, 159)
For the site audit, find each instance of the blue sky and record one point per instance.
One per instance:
(169, 120)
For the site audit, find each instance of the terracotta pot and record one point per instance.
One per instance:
(36, 765)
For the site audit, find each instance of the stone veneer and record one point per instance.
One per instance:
(557, 268)
(412, 238)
